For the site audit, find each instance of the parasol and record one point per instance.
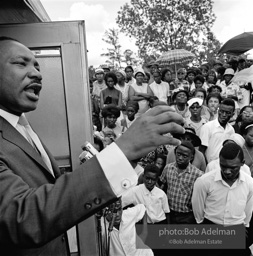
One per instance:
(238, 44)
(174, 57)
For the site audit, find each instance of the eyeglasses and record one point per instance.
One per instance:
(247, 113)
(180, 73)
(195, 107)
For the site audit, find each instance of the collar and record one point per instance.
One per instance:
(217, 123)
(10, 118)
(218, 176)
(147, 192)
(187, 169)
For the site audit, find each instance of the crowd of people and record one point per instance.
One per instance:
(207, 178)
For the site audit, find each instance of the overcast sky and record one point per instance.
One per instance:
(233, 17)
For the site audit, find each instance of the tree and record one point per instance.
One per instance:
(114, 55)
(161, 25)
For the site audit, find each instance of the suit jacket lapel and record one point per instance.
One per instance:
(13, 136)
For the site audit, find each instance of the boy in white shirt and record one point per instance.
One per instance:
(152, 197)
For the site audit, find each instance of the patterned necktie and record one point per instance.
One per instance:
(34, 140)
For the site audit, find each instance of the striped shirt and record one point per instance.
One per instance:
(180, 186)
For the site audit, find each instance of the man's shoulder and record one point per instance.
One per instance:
(195, 170)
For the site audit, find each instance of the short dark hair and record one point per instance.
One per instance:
(228, 102)
(199, 78)
(164, 71)
(109, 110)
(188, 145)
(130, 67)
(231, 150)
(111, 75)
(200, 90)
(243, 129)
(152, 168)
(213, 95)
(213, 87)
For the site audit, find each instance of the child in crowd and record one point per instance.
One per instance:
(111, 113)
(132, 108)
(151, 196)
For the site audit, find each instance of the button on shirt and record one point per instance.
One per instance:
(220, 203)
(180, 186)
(212, 135)
(155, 201)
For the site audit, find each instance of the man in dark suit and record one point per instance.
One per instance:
(38, 204)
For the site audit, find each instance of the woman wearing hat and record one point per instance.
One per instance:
(180, 98)
(198, 159)
(140, 92)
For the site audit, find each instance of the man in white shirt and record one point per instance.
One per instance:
(38, 204)
(224, 196)
(160, 88)
(213, 133)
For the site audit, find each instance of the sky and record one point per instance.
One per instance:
(233, 17)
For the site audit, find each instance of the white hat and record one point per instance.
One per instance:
(238, 139)
(99, 70)
(139, 70)
(195, 100)
(122, 72)
(229, 71)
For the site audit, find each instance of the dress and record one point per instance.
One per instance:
(143, 104)
(37, 208)
(124, 90)
(113, 93)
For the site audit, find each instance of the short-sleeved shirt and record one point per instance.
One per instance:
(161, 91)
(194, 125)
(212, 135)
(180, 186)
(155, 201)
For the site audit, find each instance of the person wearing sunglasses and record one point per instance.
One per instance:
(195, 121)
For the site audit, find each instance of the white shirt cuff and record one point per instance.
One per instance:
(118, 170)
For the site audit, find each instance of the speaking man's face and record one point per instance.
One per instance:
(20, 78)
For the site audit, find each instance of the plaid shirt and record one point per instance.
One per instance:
(180, 186)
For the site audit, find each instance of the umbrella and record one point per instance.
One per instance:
(238, 44)
(174, 57)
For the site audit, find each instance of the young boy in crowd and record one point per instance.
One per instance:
(152, 197)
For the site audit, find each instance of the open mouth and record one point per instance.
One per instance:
(33, 91)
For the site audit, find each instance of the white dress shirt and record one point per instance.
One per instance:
(212, 135)
(117, 169)
(161, 91)
(220, 203)
(155, 201)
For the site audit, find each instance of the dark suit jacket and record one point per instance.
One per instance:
(37, 209)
